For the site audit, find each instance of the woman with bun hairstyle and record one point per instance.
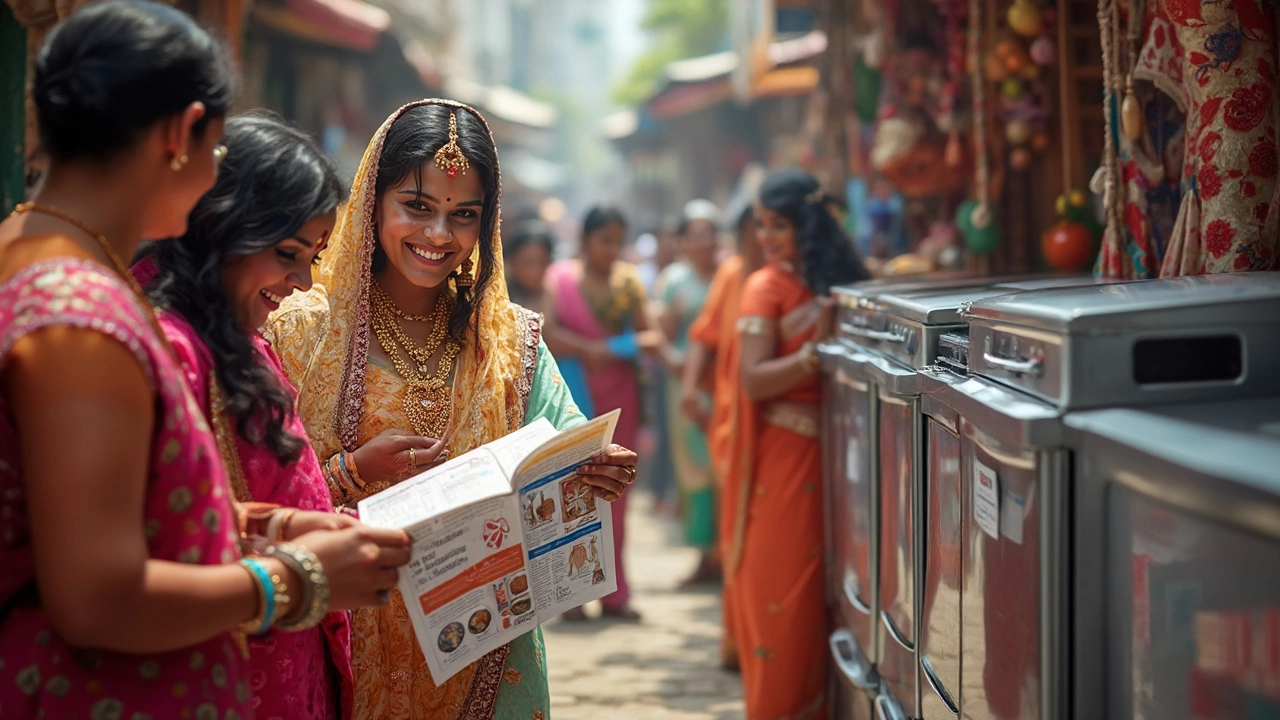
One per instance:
(774, 570)
(124, 592)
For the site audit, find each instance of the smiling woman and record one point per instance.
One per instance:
(250, 243)
(408, 348)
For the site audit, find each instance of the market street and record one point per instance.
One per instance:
(662, 668)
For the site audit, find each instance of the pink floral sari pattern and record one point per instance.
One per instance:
(189, 518)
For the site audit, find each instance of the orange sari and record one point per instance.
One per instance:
(774, 568)
(717, 328)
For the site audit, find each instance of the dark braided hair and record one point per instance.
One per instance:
(411, 142)
(274, 180)
(826, 251)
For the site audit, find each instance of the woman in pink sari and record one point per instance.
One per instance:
(123, 591)
(215, 286)
(597, 314)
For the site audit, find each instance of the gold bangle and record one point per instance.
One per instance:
(314, 603)
(355, 472)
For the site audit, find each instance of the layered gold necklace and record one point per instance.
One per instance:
(427, 399)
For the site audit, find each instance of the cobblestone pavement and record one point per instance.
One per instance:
(663, 668)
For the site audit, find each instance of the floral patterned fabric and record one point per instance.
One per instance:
(300, 675)
(1218, 62)
(189, 518)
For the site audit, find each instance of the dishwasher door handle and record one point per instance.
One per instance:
(1030, 366)
(936, 684)
(895, 632)
(852, 662)
(851, 594)
(888, 709)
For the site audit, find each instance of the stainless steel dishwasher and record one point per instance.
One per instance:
(1177, 561)
(1032, 357)
(910, 325)
(850, 406)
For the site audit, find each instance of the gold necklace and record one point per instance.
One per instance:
(121, 269)
(439, 319)
(427, 399)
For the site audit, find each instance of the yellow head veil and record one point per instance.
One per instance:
(324, 333)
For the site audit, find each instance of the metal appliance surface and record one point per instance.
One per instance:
(921, 318)
(1015, 462)
(1134, 343)
(856, 382)
(1179, 594)
(851, 566)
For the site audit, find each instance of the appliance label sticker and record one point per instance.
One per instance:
(986, 499)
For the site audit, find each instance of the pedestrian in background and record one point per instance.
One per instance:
(599, 314)
(681, 293)
(714, 342)
(775, 567)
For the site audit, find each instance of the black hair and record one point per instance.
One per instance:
(411, 142)
(116, 68)
(600, 217)
(745, 218)
(529, 232)
(275, 179)
(826, 251)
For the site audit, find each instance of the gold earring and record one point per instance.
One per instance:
(177, 163)
(462, 276)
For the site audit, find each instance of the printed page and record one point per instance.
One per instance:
(568, 531)
(512, 449)
(466, 587)
(470, 478)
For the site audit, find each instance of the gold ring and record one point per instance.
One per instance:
(631, 472)
(413, 459)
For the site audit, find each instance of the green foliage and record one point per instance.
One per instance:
(680, 29)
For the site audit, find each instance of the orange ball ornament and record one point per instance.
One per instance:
(1067, 246)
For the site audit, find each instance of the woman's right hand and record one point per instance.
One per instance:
(395, 455)
(360, 562)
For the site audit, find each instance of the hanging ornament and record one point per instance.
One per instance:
(980, 232)
(1012, 88)
(1131, 113)
(866, 89)
(1067, 246)
(1040, 141)
(1043, 50)
(1020, 159)
(1017, 132)
(954, 154)
(1025, 18)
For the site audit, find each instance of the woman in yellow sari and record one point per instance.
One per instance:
(407, 349)
(774, 570)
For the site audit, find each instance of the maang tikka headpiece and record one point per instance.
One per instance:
(449, 157)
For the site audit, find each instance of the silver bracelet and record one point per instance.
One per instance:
(315, 585)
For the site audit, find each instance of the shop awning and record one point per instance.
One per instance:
(787, 81)
(349, 24)
(702, 82)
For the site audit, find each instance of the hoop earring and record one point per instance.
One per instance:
(462, 276)
(178, 162)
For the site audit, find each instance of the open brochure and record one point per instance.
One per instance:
(505, 537)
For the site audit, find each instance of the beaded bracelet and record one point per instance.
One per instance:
(315, 584)
(266, 615)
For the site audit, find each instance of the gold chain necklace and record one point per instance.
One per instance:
(439, 320)
(427, 399)
(121, 269)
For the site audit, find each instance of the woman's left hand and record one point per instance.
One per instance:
(305, 521)
(610, 475)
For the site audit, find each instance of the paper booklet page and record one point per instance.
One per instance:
(482, 556)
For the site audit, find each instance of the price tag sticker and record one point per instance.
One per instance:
(986, 499)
